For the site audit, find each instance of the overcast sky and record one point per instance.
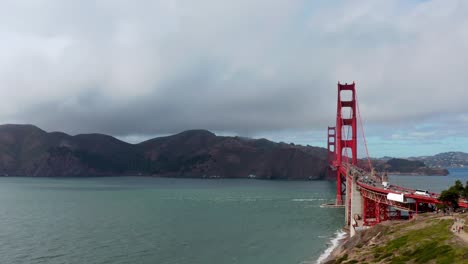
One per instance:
(260, 68)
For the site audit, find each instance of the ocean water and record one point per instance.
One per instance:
(165, 221)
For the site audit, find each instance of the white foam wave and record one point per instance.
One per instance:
(334, 242)
(308, 200)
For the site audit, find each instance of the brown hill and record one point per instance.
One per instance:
(26, 150)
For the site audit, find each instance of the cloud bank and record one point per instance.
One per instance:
(153, 67)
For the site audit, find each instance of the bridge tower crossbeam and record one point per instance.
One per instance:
(331, 152)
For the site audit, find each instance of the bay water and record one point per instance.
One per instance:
(431, 183)
(174, 221)
(164, 221)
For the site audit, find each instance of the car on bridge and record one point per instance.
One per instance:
(422, 192)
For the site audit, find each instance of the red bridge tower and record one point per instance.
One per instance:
(345, 136)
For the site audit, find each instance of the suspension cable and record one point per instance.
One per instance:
(363, 134)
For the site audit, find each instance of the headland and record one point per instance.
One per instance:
(427, 238)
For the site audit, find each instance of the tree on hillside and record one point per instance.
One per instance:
(452, 195)
(464, 194)
(458, 187)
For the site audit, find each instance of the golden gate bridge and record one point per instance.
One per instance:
(367, 196)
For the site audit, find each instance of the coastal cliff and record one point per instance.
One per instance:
(428, 238)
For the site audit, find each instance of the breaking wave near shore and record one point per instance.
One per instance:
(333, 244)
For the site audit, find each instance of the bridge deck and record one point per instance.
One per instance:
(372, 183)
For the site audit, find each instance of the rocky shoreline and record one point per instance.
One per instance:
(336, 249)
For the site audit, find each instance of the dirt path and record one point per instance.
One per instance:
(457, 224)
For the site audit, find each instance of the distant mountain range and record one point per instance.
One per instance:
(26, 150)
(451, 159)
(405, 166)
(445, 160)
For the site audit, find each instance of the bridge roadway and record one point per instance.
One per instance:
(371, 187)
(367, 200)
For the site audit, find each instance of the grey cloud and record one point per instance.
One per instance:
(159, 67)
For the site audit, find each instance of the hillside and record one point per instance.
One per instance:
(404, 166)
(26, 150)
(445, 160)
(426, 239)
